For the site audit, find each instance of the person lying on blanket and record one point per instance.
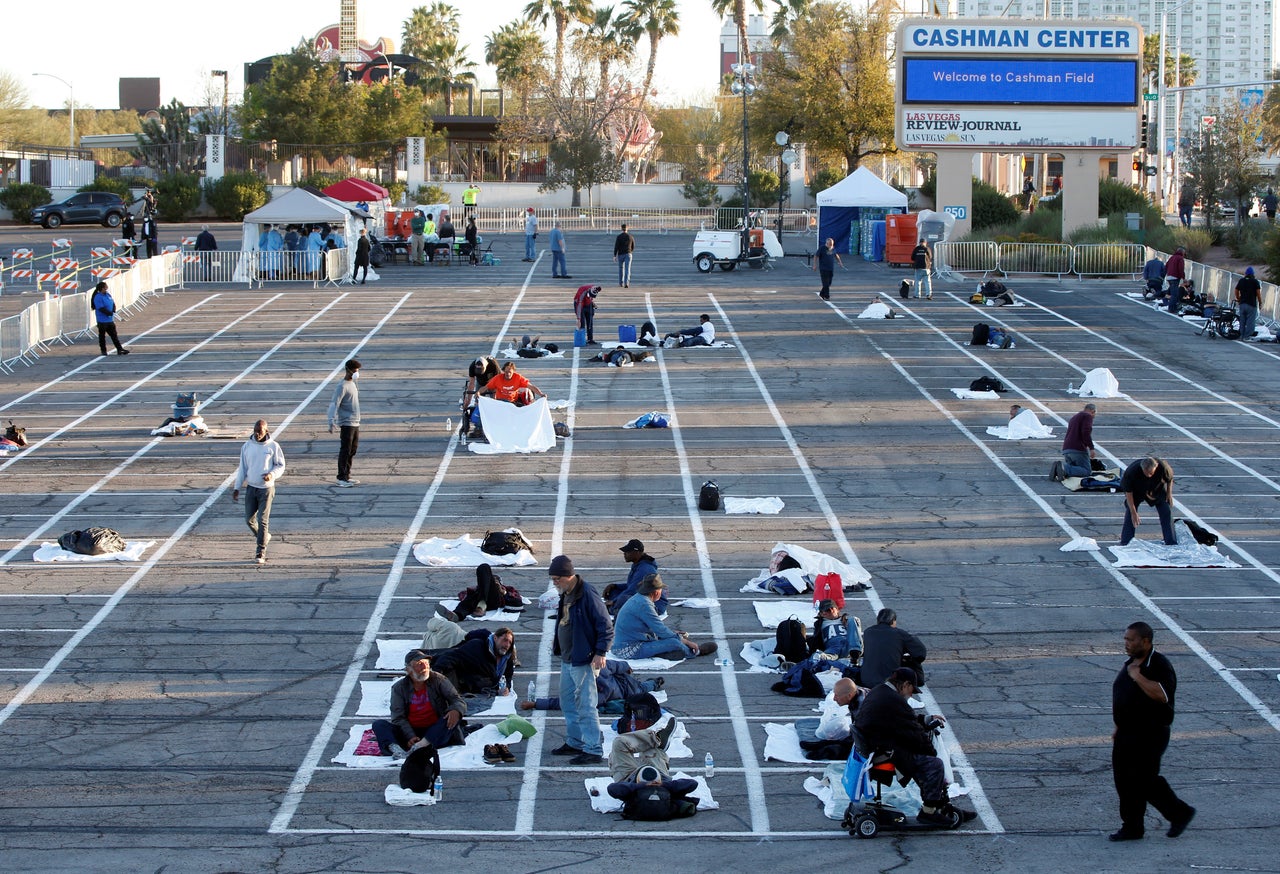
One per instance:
(614, 684)
(424, 706)
(621, 355)
(477, 664)
(511, 387)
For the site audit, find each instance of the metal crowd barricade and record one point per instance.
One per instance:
(1035, 258)
(980, 257)
(1108, 259)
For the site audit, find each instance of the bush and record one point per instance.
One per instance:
(431, 194)
(765, 186)
(1248, 242)
(236, 194)
(1195, 240)
(396, 191)
(22, 197)
(822, 180)
(1115, 196)
(320, 181)
(112, 186)
(990, 207)
(702, 192)
(177, 196)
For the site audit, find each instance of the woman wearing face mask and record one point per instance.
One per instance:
(344, 411)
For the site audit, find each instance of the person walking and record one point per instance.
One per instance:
(584, 633)
(472, 236)
(104, 311)
(205, 243)
(1142, 708)
(469, 196)
(362, 257)
(1186, 205)
(922, 261)
(558, 268)
(530, 234)
(1246, 297)
(344, 411)
(1269, 202)
(624, 246)
(824, 261)
(261, 465)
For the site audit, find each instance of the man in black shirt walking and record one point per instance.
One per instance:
(1142, 708)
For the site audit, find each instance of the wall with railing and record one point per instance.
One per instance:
(63, 318)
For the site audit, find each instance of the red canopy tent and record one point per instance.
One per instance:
(354, 190)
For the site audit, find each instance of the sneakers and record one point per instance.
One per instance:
(1125, 835)
(492, 755)
(566, 750)
(123, 352)
(446, 613)
(505, 752)
(707, 648)
(1180, 826)
(664, 734)
(260, 559)
(941, 818)
(397, 751)
(347, 483)
(587, 759)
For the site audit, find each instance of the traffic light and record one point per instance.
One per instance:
(1145, 138)
(1137, 165)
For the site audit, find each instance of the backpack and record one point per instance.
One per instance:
(1203, 535)
(639, 711)
(656, 804)
(791, 642)
(709, 496)
(16, 434)
(504, 543)
(987, 383)
(92, 541)
(419, 771)
(977, 297)
(981, 332)
(904, 289)
(800, 682)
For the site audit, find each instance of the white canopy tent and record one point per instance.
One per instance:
(299, 207)
(841, 205)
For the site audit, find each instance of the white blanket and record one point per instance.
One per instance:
(830, 790)
(1080, 544)
(469, 757)
(967, 395)
(391, 653)
(760, 655)
(1026, 425)
(501, 616)
(875, 310)
(603, 802)
(1098, 383)
(132, 551)
(398, 797)
(697, 603)
(647, 664)
(763, 506)
(782, 744)
(770, 613)
(509, 428)
(813, 563)
(465, 551)
(1154, 553)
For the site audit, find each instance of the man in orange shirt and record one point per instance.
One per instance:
(511, 387)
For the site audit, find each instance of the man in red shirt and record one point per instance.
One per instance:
(1077, 446)
(424, 706)
(511, 387)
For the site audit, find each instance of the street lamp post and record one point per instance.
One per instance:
(72, 88)
(744, 84)
(226, 118)
(786, 157)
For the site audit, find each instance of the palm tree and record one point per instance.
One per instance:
(607, 39)
(657, 19)
(426, 25)
(560, 12)
(784, 16)
(516, 51)
(444, 67)
(737, 10)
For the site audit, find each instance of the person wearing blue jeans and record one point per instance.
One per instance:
(584, 633)
(1247, 292)
(558, 269)
(424, 706)
(1148, 479)
(530, 234)
(624, 246)
(641, 634)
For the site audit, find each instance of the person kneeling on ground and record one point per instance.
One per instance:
(703, 335)
(638, 633)
(640, 768)
(885, 721)
(424, 706)
(511, 387)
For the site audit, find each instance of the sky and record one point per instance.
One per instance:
(92, 44)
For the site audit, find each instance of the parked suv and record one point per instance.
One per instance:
(83, 208)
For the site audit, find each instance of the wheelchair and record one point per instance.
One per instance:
(868, 813)
(1219, 322)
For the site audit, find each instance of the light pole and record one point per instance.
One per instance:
(72, 88)
(786, 157)
(226, 119)
(744, 84)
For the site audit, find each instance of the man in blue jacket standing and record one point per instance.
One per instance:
(584, 634)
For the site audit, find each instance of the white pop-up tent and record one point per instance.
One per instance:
(842, 204)
(299, 207)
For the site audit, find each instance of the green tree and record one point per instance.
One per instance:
(607, 40)
(835, 87)
(518, 53)
(655, 20)
(445, 66)
(22, 197)
(560, 13)
(171, 143)
(787, 13)
(1223, 164)
(1185, 71)
(236, 194)
(427, 25)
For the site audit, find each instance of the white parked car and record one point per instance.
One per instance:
(723, 249)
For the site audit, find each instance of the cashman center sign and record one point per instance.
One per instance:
(1018, 85)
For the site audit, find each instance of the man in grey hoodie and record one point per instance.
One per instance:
(344, 411)
(261, 464)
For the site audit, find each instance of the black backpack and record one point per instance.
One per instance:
(904, 289)
(92, 541)
(420, 769)
(639, 711)
(1203, 535)
(981, 333)
(504, 543)
(656, 804)
(709, 496)
(791, 642)
(987, 383)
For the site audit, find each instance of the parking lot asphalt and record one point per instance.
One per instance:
(183, 712)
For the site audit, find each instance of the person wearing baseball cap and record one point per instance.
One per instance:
(530, 234)
(642, 564)
(833, 635)
(424, 707)
(886, 721)
(640, 634)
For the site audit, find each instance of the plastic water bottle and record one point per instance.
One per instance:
(1071, 387)
(437, 791)
(448, 426)
(708, 767)
(502, 686)
(531, 691)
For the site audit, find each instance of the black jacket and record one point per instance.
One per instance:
(472, 666)
(883, 647)
(886, 722)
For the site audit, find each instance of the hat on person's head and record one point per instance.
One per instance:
(904, 675)
(826, 604)
(530, 209)
(561, 566)
(648, 774)
(632, 545)
(1248, 271)
(414, 655)
(651, 584)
